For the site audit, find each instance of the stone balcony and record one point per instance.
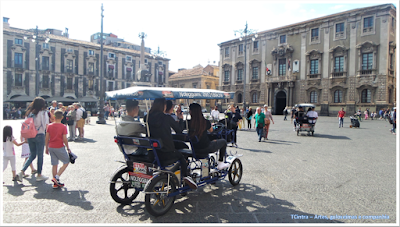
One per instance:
(281, 78)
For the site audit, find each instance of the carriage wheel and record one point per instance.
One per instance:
(157, 203)
(121, 189)
(213, 162)
(235, 172)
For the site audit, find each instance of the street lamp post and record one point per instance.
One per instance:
(36, 38)
(244, 33)
(101, 107)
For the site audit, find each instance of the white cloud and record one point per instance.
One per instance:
(337, 7)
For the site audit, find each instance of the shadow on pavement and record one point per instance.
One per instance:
(85, 140)
(254, 150)
(279, 142)
(330, 136)
(46, 191)
(231, 204)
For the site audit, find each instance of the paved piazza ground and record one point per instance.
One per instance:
(340, 172)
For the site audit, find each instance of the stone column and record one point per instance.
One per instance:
(303, 57)
(382, 62)
(263, 55)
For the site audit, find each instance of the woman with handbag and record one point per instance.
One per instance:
(268, 119)
(37, 109)
(259, 122)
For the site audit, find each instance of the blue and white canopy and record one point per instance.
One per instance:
(142, 93)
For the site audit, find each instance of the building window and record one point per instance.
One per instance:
(240, 75)
(70, 50)
(111, 55)
(367, 61)
(314, 34)
(282, 39)
(45, 46)
(69, 65)
(5, 19)
(282, 67)
(368, 24)
(128, 58)
(227, 52)
(45, 63)
(18, 41)
(226, 75)
(91, 52)
(69, 83)
(240, 49)
(18, 79)
(254, 97)
(91, 67)
(391, 61)
(338, 94)
(340, 27)
(314, 67)
(255, 73)
(393, 23)
(145, 61)
(110, 70)
(110, 86)
(45, 81)
(255, 46)
(194, 85)
(366, 96)
(208, 86)
(18, 59)
(90, 85)
(339, 62)
(313, 97)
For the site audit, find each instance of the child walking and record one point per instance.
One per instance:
(56, 138)
(25, 154)
(9, 152)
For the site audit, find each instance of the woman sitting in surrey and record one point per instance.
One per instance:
(160, 126)
(198, 127)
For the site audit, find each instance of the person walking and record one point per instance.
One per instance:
(259, 118)
(394, 122)
(268, 119)
(37, 109)
(340, 116)
(366, 114)
(71, 115)
(25, 154)
(80, 122)
(249, 115)
(285, 112)
(56, 138)
(106, 111)
(215, 114)
(9, 152)
(233, 118)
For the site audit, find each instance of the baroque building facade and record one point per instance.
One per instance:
(341, 60)
(197, 77)
(68, 70)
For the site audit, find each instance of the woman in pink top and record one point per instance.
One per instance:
(268, 119)
(366, 114)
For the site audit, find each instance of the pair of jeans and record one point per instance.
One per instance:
(215, 145)
(341, 122)
(36, 147)
(259, 133)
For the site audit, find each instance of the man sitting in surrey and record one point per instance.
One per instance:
(130, 126)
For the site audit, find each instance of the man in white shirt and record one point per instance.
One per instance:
(80, 122)
(312, 114)
(215, 114)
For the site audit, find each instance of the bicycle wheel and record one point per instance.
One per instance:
(235, 172)
(156, 201)
(121, 189)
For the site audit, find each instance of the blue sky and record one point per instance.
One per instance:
(188, 31)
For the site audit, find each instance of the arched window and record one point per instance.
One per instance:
(338, 96)
(254, 97)
(313, 97)
(366, 96)
(239, 98)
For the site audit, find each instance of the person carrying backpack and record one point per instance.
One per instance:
(37, 109)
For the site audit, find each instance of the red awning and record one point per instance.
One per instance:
(111, 67)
